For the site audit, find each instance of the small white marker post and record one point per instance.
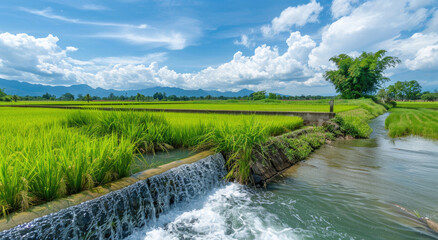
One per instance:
(331, 105)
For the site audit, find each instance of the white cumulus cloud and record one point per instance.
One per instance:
(41, 60)
(365, 28)
(342, 7)
(244, 41)
(293, 16)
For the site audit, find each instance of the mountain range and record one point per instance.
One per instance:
(13, 87)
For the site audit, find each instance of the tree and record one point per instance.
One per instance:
(111, 96)
(15, 98)
(87, 97)
(412, 90)
(158, 96)
(2, 93)
(258, 95)
(67, 97)
(272, 96)
(360, 76)
(48, 96)
(429, 97)
(382, 95)
(139, 97)
(208, 97)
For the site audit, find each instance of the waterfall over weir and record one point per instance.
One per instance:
(119, 213)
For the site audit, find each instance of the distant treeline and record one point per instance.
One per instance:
(407, 90)
(158, 96)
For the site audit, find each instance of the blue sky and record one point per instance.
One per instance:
(279, 46)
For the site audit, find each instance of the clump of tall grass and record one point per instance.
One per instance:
(237, 144)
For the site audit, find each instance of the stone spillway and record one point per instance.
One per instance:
(118, 214)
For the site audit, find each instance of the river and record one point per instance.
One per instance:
(345, 190)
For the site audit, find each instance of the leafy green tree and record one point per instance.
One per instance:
(382, 95)
(258, 95)
(158, 96)
(48, 96)
(67, 97)
(412, 90)
(139, 97)
(15, 98)
(360, 76)
(272, 96)
(429, 97)
(87, 98)
(2, 93)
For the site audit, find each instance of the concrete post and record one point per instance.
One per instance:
(331, 105)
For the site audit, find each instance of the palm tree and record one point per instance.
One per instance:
(87, 97)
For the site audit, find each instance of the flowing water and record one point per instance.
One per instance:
(346, 190)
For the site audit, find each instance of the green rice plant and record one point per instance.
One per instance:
(13, 185)
(421, 122)
(237, 144)
(79, 119)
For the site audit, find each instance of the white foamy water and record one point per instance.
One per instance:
(229, 212)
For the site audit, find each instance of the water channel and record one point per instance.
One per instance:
(346, 190)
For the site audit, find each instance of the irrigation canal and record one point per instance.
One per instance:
(346, 190)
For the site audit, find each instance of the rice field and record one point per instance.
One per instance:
(50, 153)
(421, 122)
(243, 107)
(236, 105)
(431, 105)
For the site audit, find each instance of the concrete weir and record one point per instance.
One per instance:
(117, 210)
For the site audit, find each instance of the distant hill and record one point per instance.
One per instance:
(13, 87)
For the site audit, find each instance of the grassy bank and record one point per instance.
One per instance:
(421, 122)
(49, 153)
(355, 122)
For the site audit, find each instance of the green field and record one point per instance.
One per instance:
(243, 107)
(421, 122)
(237, 105)
(431, 105)
(49, 153)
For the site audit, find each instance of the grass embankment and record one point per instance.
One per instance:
(431, 105)
(355, 122)
(421, 122)
(49, 153)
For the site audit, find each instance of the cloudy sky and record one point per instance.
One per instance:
(280, 46)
